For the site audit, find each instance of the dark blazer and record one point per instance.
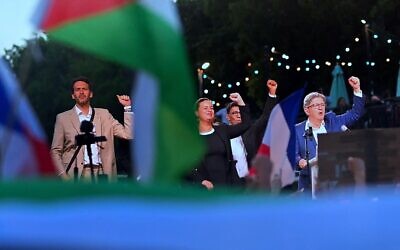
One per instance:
(228, 176)
(333, 123)
(252, 138)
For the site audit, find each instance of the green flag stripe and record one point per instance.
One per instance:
(50, 191)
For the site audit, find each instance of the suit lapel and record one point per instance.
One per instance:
(75, 120)
(98, 126)
(97, 123)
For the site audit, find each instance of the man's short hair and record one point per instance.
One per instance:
(310, 97)
(230, 105)
(81, 79)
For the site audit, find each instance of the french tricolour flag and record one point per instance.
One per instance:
(23, 148)
(279, 139)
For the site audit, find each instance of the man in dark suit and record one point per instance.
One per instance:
(245, 147)
(319, 122)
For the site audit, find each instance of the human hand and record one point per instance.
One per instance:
(125, 100)
(207, 184)
(302, 163)
(235, 97)
(65, 177)
(272, 86)
(355, 83)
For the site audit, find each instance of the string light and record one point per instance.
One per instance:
(205, 65)
(338, 57)
(310, 64)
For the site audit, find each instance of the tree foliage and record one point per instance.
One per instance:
(231, 33)
(45, 70)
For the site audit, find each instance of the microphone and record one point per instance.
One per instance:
(344, 128)
(308, 132)
(86, 127)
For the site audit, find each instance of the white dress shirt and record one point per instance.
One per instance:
(95, 149)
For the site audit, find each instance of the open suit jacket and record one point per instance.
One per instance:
(253, 136)
(228, 176)
(68, 126)
(333, 123)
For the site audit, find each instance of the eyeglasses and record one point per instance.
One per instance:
(317, 105)
(235, 113)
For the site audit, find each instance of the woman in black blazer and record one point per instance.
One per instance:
(217, 167)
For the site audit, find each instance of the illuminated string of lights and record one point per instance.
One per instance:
(223, 88)
(282, 60)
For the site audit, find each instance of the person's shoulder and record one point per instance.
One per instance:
(66, 113)
(330, 114)
(219, 125)
(101, 111)
(300, 124)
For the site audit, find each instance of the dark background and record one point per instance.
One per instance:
(230, 35)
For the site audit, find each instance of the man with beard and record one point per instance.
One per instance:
(68, 126)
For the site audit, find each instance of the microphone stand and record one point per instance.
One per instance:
(71, 161)
(87, 139)
(89, 151)
(308, 136)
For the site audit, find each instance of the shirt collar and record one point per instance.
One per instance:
(308, 124)
(79, 112)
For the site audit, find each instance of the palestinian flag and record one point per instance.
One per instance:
(145, 36)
